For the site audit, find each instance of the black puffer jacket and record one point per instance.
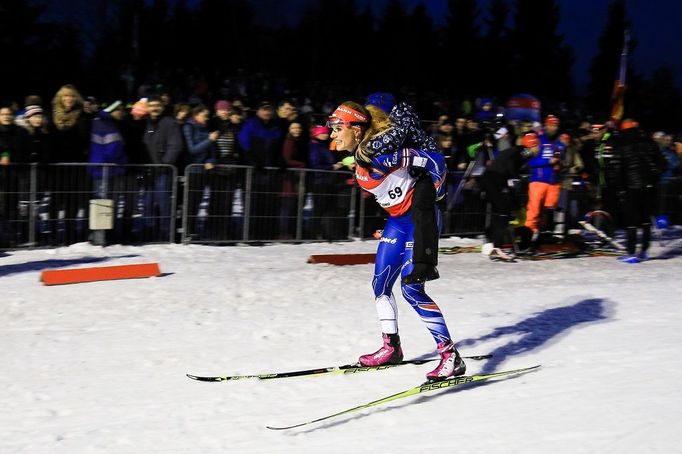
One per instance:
(639, 163)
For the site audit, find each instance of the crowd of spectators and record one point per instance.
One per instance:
(287, 133)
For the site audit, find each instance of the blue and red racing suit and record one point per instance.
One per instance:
(388, 178)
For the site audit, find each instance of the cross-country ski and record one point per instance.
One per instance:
(347, 369)
(423, 388)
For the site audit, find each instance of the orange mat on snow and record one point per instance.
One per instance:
(100, 273)
(343, 259)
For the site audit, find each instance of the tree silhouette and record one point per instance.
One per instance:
(497, 50)
(39, 56)
(605, 64)
(541, 62)
(462, 45)
(660, 103)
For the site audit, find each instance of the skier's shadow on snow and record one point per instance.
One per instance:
(539, 329)
(536, 331)
(16, 268)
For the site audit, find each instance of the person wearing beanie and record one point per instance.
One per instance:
(544, 188)
(325, 207)
(384, 101)
(34, 138)
(228, 122)
(106, 146)
(222, 105)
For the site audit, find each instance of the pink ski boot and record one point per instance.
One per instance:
(451, 364)
(390, 353)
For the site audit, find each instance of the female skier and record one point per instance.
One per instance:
(388, 178)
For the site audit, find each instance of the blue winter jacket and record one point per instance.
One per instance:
(540, 168)
(106, 145)
(262, 143)
(201, 149)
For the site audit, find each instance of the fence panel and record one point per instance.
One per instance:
(48, 205)
(240, 204)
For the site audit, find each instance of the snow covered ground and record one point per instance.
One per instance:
(100, 367)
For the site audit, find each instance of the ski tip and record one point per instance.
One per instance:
(197, 378)
(283, 428)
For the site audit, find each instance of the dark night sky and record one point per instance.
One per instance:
(655, 25)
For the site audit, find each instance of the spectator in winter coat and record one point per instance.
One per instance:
(319, 155)
(228, 122)
(163, 137)
(35, 144)
(70, 126)
(261, 138)
(107, 146)
(9, 135)
(106, 141)
(294, 149)
(498, 182)
(639, 166)
(200, 141)
(9, 138)
(164, 143)
(294, 156)
(545, 184)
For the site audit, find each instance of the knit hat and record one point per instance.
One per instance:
(32, 110)
(222, 105)
(384, 101)
(318, 130)
(628, 123)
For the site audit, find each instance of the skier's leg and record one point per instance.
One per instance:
(425, 307)
(387, 268)
(451, 363)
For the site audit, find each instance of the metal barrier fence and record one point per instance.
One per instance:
(241, 204)
(51, 205)
(60, 204)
